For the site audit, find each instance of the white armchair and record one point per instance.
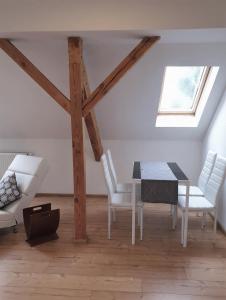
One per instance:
(30, 172)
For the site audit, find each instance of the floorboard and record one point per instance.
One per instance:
(155, 268)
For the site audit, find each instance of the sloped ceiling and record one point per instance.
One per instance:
(129, 110)
(71, 15)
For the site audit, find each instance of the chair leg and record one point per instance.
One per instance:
(215, 221)
(185, 228)
(134, 214)
(133, 225)
(141, 223)
(109, 222)
(172, 212)
(138, 216)
(114, 214)
(203, 219)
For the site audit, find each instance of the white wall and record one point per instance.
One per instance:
(215, 140)
(127, 112)
(58, 15)
(59, 155)
(186, 153)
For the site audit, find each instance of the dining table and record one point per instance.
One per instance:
(159, 182)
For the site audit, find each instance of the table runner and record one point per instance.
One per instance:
(159, 181)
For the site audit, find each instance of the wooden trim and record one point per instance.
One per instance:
(174, 113)
(90, 121)
(118, 72)
(51, 195)
(199, 93)
(35, 74)
(76, 96)
(96, 196)
(197, 97)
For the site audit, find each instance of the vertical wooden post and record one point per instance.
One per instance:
(76, 83)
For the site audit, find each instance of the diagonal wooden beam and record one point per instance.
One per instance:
(118, 72)
(76, 96)
(28, 67)
(35, 74)
(90, 120)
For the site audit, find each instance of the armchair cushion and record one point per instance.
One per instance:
(9, 191)
(26, 183)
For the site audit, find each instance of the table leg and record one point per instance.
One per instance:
(133, 213)
(186, 217)
(174, 216)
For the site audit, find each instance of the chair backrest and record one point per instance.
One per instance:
(206, 170)
(216, 179)
(29, 171)
(107, 175)
(112, 169)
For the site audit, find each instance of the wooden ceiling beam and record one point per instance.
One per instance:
(118, 72)
(28, 67)
(35, 74)
(90, 120)
(76, 96)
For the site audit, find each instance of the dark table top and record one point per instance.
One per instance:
(154, 170)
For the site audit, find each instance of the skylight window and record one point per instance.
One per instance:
(182, 89)
(185, 92)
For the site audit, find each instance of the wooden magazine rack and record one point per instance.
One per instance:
(41, 223)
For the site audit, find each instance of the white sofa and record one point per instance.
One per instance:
(30, 172)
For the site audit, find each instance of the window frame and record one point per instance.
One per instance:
(198, 95)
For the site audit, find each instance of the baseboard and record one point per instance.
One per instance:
(68, 195)
(96, 196)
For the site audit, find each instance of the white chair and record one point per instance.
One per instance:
(119, 200)
(30, 172)
(203, 177)
(119, 187)
(205, 204)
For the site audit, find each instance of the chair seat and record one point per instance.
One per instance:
(6, 219)
(124, 187)
(195, 203)
(193, 191)
(5, 216)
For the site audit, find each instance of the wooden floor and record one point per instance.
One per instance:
(156, 268)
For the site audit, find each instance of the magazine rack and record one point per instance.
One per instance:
(41, 223)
